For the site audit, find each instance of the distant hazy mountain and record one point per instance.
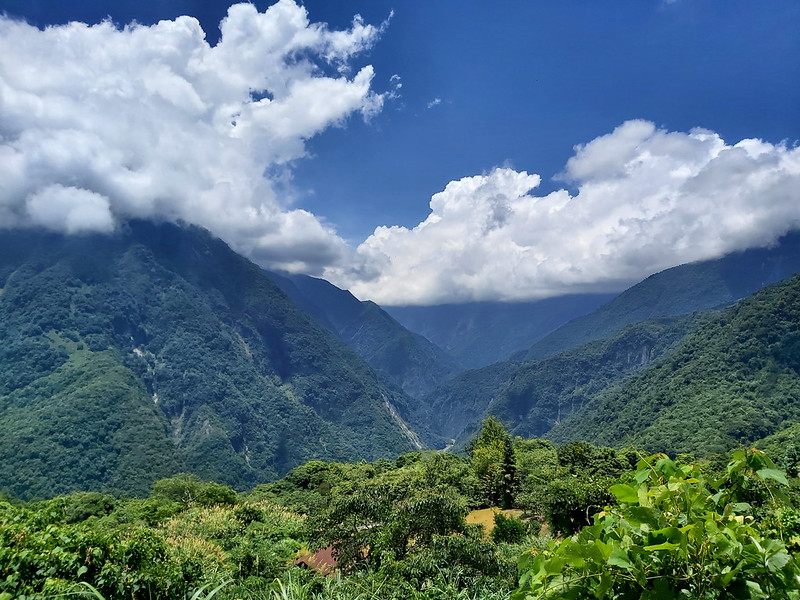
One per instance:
(461, 403)
(481, 333)
(733, 381)
(130, 357)
(678, 291)
(403, 357)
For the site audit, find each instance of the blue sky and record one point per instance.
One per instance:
(517, 86)
(521, 83)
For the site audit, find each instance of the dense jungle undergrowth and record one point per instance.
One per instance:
(575, 521)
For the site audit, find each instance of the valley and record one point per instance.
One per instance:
(160, 338)
(165, 398)
(378, 300)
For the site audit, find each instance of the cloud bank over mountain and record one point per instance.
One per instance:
(647, 199)
(99, 124)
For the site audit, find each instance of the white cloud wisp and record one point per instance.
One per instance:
(647, 199)
(100, 124)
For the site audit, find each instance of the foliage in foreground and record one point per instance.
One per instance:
(674, 534)
(664, 530)
(188, 534)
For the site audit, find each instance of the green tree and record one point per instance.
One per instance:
(508, 529)
(791, 460)
(375, 527)
(190, 489)
(383, 513)
(491, 455)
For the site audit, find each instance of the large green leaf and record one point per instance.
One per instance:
(625, 493)
(664, 546)
(619, 558)
(774, 474)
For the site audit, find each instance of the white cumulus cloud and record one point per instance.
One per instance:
(71, 209)
(646, 199)
(99, 124)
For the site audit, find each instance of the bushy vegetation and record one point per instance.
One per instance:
(397, 528)
(628, 525)
(675, 532)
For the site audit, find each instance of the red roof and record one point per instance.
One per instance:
(322, 561)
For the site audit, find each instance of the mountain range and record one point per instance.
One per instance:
(565, 369)
(678, 291)
(731, 381)
(477, 334)
(157, 349)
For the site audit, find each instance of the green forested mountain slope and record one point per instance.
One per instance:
(405, 358)
(88, 423)
(542, 393)
(477, 334)
(532, 397)
(678, 291)
(158, 349)
(733, 381)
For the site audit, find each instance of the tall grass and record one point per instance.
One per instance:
(87, 590)
(298, 585)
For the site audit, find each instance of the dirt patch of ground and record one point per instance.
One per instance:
(485, 517)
